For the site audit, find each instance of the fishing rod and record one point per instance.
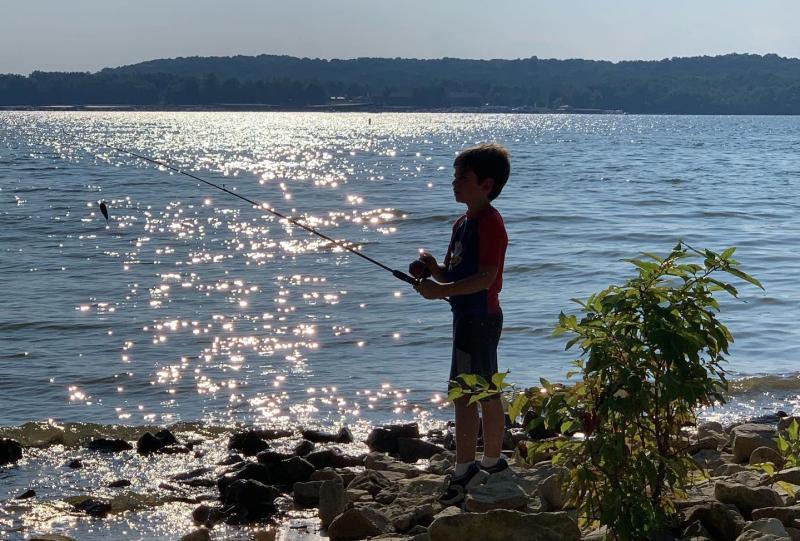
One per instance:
(400, 275)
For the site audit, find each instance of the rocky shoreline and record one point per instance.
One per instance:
(391, 492)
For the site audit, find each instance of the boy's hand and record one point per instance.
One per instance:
(430, 289)
(429, 261)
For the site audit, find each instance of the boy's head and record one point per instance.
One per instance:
(489, 162)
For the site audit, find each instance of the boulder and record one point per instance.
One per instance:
(726, 470)
(551, 492)
(790, 475)
(332, 501)
(150, 443)
(384, 439)
(208, 516)
(93, 507)
(303, 447)
(344, 435)
(332, 457)
(787, 515)
(722, 521)
(192, 474)
(10, 451)
(318, 436)
(746, 498)
(748, 437)
(75, 464)
(109, 445)
(709, 428)
(272, 457)
(765, 529)
(357, 496)
(708, 459)
(291, 471)
(250, 471)
(328, 474)
(249, 442)
(709, 442)
(307, 494)
(247, 500)
(358, 523)
(496, 493)
(442, 463)
(230, 460)
(404, 517)
(766, 454)
(413, 449)
(504, 525)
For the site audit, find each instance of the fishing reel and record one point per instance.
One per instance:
(419, 270)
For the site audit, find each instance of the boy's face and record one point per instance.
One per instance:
(468, 189)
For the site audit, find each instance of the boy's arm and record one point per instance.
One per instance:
(471, 284)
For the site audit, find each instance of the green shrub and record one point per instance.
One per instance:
(652, 352)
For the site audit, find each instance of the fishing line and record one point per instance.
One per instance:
(400, 275)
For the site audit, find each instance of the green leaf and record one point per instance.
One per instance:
(744, 276)
(793, 430)
(470, 380)
(515, 409)
(565, 426)
(727, 253)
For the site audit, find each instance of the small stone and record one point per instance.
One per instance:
(75, 464)
(119, 483)
(358, 523)
(197, 535)
(723, 521)
(95, 508)
(208, 516)
(30, 493)
(370, 481)
(317, 436)
(551, 493)
(230, 460)
(790, 475)
(332, 457)
(150, 443)
(327, 475)
(412, 449)
(293, 470)
(251, 500)
(726, 470)
(10, 451)
(344, 435)
(384, 439)
(765, 529)
(108, 445)
(272, 457)
(787, 515)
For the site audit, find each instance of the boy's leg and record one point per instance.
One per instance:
(466, 430)
(493, 427)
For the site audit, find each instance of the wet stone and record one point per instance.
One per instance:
(250, 443)
(75, 464)
(30, 493)
(95, 508)
(272, 457)
(385, 439)
(151, 443)
(10, 451)
(119, 483)
(230, 460)
(208, 516)
(303, 447)
(108, 445)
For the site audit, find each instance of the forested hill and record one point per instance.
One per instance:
(729, 84)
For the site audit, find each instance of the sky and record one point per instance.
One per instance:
(88, 35)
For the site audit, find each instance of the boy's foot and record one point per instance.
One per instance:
(500, 465)
(458, 486)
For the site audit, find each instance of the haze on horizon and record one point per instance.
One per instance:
(88, 35)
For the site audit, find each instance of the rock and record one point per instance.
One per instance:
(748, 437)
(306, 494)
(317, 436)
(344, 435)
(272, 457)
(694, 531)
(75, 464)
(384, 439)
(10, 451)
(405, 518)
(766, 454)
(291, 471)
(726, 470)
(119, 483)
(785, 422)
(51, 537)
(332, 457)
(174, 450)
(787, 515)
(496, 493)
(710, 428)
(708, 459)
(709, 442)
(249, 442)
(412, 449)
(30, 493)
(722, 521)
(358, 523)
(250, 500)
(150, 443)
(332, 501)
(355, 495)
(108, 445)
(303, 447)
(255, 472)
(230, 460)
(765, 529)
(328, 474)
(448, 511)
(377, 461)
(192, 474)
(551, 492)
(208, 516)
(504, 525)
(197, 535)
(93, 507)
(369, 480)
(746, 498)
(443, 462)
(794, 533)
(790, 475)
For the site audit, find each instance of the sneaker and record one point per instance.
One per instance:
(500, 465)
(458, 486)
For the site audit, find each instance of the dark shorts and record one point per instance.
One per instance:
(475, 340)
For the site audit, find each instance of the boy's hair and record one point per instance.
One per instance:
(488, 160)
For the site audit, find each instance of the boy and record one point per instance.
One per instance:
(472, 276)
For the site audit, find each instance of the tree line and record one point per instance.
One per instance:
(728, 84)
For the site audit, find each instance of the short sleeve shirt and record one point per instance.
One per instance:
(477, 240)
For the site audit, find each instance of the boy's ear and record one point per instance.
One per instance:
(487, 184)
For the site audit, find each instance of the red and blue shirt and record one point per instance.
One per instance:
(478, 240)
